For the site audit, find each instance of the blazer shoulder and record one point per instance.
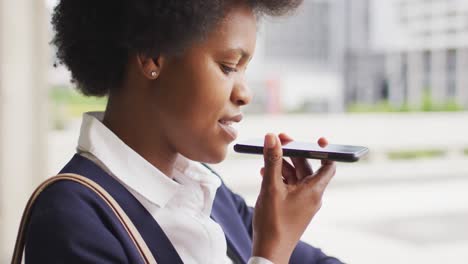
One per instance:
(69, 223)
(64, 195)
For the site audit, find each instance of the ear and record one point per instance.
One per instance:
(150, 67)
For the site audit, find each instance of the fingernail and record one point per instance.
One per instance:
(270, 141)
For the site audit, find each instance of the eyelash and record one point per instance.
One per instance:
(227, 70)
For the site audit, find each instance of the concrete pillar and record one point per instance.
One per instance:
(393, 68)
(462, 77)
(24, 110)
(415, 78)
(439, 76)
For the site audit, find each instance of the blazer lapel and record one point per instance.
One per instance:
(225, 214)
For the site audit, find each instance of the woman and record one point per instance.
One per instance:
(174, 74)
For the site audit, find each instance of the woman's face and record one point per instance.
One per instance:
(197, 93)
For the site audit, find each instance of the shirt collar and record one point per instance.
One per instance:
(126, 164)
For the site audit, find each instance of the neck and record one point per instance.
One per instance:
(140, 133)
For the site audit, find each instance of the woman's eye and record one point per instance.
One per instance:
(227, 70)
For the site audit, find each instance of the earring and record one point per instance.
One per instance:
(153, 74)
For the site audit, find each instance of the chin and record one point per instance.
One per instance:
(212, 152)
(216, 156)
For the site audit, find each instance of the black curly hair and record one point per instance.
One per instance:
(94, 38)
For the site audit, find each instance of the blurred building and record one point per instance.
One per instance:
(335, 53)
(300, 59)
(321, 58)
(425, 44)
(363, 68)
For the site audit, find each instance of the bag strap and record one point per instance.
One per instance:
(133, 233)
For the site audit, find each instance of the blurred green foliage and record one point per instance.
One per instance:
(380, 107)
(415, 154)
(427, 105)
(75, 102)
(67, 104)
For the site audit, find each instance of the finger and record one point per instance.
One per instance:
(303, 168)
(301, 165)
(322, 177)
(284, 138)
(323, 142)
(289, 172)
(272, 154)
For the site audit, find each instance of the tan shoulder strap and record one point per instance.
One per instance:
(121, 215)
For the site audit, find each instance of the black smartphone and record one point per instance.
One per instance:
(343, 153)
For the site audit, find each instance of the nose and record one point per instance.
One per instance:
(241, 93)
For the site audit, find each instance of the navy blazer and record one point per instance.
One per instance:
(71, 224)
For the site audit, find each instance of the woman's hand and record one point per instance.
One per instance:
(289, 197)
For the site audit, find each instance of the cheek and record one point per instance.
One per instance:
(203, 93)
(191, 107)
(202, 137)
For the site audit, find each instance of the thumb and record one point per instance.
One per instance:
(273, 157)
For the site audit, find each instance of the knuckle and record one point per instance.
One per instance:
(272, 190)
(273, 157)
(316, 196)
(319, 205)
(321, 185)
(268, 189)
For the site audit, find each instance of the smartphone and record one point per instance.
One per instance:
(342, 153)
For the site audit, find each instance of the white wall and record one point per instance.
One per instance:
(23, 110)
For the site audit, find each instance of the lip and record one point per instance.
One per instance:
(227, 128)
(236, 118)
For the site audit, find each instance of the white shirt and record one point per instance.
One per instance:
(181, 203)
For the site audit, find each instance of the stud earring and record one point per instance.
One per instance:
(153, 74)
